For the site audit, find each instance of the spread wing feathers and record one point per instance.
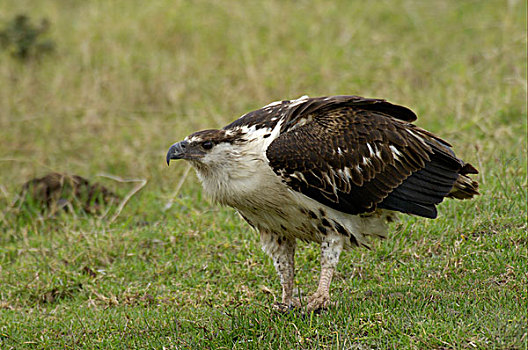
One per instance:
(357, 158)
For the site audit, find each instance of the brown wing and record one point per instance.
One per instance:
(355, 159)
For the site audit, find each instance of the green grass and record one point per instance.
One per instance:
(129, 78)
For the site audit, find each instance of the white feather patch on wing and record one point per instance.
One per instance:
(298, 101)
(272, 104)
(419, 138)
(395, 152)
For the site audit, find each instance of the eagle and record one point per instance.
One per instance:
(330, 170)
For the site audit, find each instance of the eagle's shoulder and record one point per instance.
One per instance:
(291, 113)
(266, 117)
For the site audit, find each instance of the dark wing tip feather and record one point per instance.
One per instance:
(443, 176)
(403, 205)
(468, 169)
(395, 111)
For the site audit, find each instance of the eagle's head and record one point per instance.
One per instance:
(227, 161)
(208, 149)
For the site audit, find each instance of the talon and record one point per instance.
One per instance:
(282, 308)
(318, 302)
(294, 304)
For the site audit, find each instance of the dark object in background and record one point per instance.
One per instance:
(57, 191)
(24, 40)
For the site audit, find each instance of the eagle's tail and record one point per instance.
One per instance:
(465, 187)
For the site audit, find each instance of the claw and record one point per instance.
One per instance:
(283, 308)
(318, 302)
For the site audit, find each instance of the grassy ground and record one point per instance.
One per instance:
(129, 78)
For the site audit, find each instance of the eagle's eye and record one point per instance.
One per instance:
(207, 145)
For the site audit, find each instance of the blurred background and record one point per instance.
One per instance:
(108, 86)
(105, 87)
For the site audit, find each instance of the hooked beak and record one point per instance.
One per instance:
(177, 151)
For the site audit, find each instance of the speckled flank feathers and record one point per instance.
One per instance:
(332, 170)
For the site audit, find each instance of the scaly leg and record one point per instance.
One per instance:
(331, 248)
(282, 252)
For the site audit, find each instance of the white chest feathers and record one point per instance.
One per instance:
(243, 182)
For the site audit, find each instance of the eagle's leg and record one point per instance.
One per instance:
(282, 251)
(331, 248)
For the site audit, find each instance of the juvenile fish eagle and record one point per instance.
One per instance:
(332, 170)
